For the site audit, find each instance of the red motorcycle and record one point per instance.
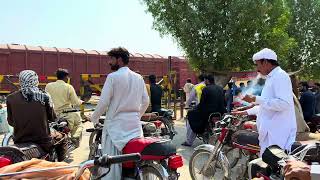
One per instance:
(210, 161)
(158, 157)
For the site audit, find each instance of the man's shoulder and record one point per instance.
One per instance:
(135, 74)
(13, 95)
(280, 76)
(200, 85)
(309, 94)
(282, 73)
(53, 84)
(50, 84)
(121, 74)
(110, 75)
(213, 87)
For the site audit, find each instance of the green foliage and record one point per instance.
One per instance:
(305, 29)
(223, 35)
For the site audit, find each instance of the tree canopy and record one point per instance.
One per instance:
(223, 35)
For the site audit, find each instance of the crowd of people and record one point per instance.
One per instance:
(272, 101)
(125, 98)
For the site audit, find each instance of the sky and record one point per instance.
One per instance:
(83, 24)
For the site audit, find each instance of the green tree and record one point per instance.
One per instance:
(305, 29)
(223, 35)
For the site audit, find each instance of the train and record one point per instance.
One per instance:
(46, 60)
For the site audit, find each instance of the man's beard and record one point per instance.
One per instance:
(114, 67)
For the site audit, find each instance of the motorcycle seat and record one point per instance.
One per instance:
(31, 150)
(150, 148)
(246, 138)
(149, 117)
(14, 153)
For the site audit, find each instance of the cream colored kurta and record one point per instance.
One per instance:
(63, 95)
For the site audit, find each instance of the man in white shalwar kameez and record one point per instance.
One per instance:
(124, 98)
(276, 120)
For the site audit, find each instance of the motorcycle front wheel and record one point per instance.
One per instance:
(94, 146)
(198, 160)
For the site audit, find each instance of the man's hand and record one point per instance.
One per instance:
(249, 98)
(243, 108)
(239, 113)
(92, 120)
(298, 170)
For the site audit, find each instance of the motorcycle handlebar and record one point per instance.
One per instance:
(106, 160)
(77, 110)
(90, 130)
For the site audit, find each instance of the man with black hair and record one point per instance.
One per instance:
(307, 101)
(64, 97)
(242, 87)
(155, 94)
(229, 96)
(124, 99)
(275, 106)
(211, 101)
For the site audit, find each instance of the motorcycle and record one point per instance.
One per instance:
(167, 119)
(162, 120)
(210, 161)
(158, 155)
(208, 136)
(150, 129)
(276, 158)
(26, 151)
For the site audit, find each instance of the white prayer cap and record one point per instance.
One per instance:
(265, 54)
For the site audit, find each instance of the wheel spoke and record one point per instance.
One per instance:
(198, 160)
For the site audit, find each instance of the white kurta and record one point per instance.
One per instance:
(276, 121)
(124, 98)
(187, 88)
(193, 95)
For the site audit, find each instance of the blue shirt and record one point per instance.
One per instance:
(308, 104)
